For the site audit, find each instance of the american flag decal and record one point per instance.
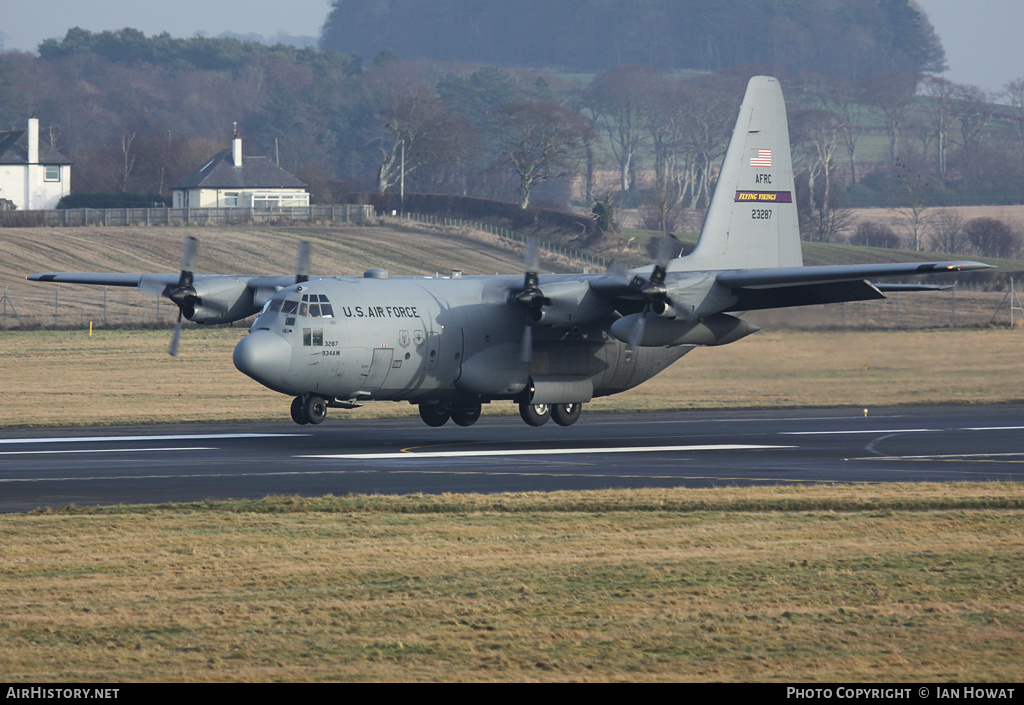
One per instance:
(761, 158)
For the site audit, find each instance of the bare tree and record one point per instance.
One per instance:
(667, 122)
(893, 95)
(817, 136)
(539, 142)
(128, 158)
(711, 105)
(974, 113)
(617, 99)
(416, 128)
(1015, 95)
(947, 232)
(940, 94)
(913, 191)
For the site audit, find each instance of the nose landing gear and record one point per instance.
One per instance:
(309, 408)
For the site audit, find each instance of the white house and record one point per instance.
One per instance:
(228, 180)
(32, 176)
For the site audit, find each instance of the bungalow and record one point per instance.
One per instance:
(32, 176)
(229, 181)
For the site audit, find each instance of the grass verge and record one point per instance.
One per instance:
(849, 583)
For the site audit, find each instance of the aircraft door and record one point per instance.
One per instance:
(380, 366)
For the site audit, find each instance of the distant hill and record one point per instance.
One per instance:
(854, 38)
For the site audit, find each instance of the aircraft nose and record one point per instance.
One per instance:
(266, 357)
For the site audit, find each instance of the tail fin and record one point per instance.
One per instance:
(752, 221)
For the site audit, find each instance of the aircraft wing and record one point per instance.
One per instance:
(783, 287)
(99, 278)
(140, 279)
(789, 276)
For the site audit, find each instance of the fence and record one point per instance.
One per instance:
(595, 262)
(77, 217)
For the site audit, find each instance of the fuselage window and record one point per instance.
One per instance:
(313, 337)
(326, 310)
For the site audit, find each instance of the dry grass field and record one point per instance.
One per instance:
(882, 584)
(126, 377)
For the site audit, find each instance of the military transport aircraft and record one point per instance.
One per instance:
(550, 343)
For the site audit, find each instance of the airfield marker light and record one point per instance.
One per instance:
(90, 329)
(865, 413)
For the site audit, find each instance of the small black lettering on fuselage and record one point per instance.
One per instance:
(380, 311)
(763, 179)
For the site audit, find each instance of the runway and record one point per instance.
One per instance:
(191, 462)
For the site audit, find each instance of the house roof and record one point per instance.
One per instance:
(14, 150)
(255, 172)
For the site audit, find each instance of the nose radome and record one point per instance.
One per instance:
(265, 357)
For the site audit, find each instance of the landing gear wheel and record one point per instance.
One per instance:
(535, 414)
(315, 408)
(434, 414)
(566, 414)
(299, 411)
(466, 415)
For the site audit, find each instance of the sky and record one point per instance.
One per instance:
(982, 38)
(26, 23)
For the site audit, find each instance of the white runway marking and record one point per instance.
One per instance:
(132, 439)
(96, 450)
(876, 430)
(533, 451)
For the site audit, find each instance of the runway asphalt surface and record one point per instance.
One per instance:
(189, 462)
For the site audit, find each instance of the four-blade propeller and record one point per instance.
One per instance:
(531, 298)
(652, 289)
(184, 294)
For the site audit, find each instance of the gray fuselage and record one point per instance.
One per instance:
(435, 340)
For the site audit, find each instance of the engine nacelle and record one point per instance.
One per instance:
(573, 303)
(221, 300)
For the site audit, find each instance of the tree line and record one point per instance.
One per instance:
(139, 117)
(854, 38)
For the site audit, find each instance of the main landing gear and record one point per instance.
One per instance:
(561, 414)
(309, 408)
(438, 414)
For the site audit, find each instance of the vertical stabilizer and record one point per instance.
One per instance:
(752, 221)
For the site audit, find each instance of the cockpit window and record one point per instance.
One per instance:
(290, 307)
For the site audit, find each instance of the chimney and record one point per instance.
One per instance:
(236, 148)
(33, 140)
